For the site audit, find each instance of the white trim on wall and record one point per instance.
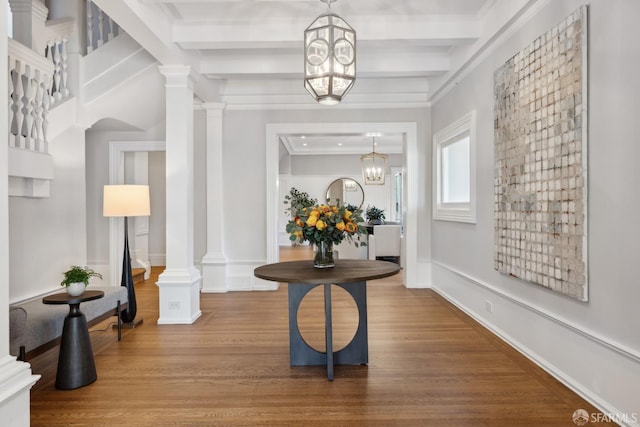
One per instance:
(536, 333)
(460, 212)
(409, 132)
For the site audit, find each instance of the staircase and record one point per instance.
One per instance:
(118, 82)
(138, 275)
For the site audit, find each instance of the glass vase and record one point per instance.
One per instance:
(324, 255)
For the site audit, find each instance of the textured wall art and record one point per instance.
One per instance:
(541, 157)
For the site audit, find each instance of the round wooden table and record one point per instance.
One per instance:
(349, 274)
(76, 367)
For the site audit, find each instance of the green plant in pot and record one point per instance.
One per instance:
(76, 279)
(297, 199)
(374, 215)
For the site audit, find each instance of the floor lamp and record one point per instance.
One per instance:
(125, 201)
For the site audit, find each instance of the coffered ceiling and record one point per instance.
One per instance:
(249, 53)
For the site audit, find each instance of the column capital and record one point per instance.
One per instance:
(213, 106)
(36, 7)
(177, 75)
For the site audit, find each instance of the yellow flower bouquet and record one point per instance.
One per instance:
(324, 225)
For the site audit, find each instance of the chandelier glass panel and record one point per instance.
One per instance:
(329, 58)
(374, 166)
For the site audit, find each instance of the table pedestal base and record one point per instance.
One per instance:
(76, 367)
(302, 354)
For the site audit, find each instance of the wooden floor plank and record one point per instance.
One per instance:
(430, 365)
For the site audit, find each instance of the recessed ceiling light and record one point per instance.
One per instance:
(340, 144)
(304, 145)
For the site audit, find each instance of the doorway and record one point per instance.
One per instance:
(410, 182)
(119, 153)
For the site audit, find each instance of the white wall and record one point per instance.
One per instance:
(595, 346)
(244, 170)
(48, 235)
(158, 198)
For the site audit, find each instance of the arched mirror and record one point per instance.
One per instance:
(347, 190)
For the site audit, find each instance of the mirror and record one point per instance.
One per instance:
(347, 190)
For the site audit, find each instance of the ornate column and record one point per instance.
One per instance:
(214, 262)
(180, 282)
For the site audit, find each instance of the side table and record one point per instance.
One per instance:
(76, 367)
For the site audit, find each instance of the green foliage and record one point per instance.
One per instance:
(297, 200)
(352, 208)
(78, 274)
(374, 213)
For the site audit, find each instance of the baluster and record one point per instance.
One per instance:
(100, 28)
(115, 28)
(64, 70)
(45, 116)
(31, 130)
(49, 54)
(11, 113)
(90, 40)
(55, 56)
(110, 32)
(27, 109)
(16, 114)
(37, 113)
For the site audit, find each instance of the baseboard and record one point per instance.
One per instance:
(566, 351)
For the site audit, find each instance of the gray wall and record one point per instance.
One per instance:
(610, 317)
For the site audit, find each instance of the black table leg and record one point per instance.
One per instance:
(328, 331)
(76, 367)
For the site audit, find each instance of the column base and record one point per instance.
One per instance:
(179, 296)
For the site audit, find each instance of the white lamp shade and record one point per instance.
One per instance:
(126, 200)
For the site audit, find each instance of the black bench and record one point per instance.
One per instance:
(35, 327)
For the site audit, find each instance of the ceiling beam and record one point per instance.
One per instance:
(368, 64)
(429, 30)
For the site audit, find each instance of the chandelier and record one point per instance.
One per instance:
(374, 166)
(329, 57)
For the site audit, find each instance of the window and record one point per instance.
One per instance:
(454, 171)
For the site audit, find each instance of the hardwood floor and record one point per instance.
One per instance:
(429, 365)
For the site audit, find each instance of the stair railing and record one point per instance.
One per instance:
(100, 27)
(57, 36)
(30, 78)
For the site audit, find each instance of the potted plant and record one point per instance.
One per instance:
(374, 215)
(77, 278)
(297, 199)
